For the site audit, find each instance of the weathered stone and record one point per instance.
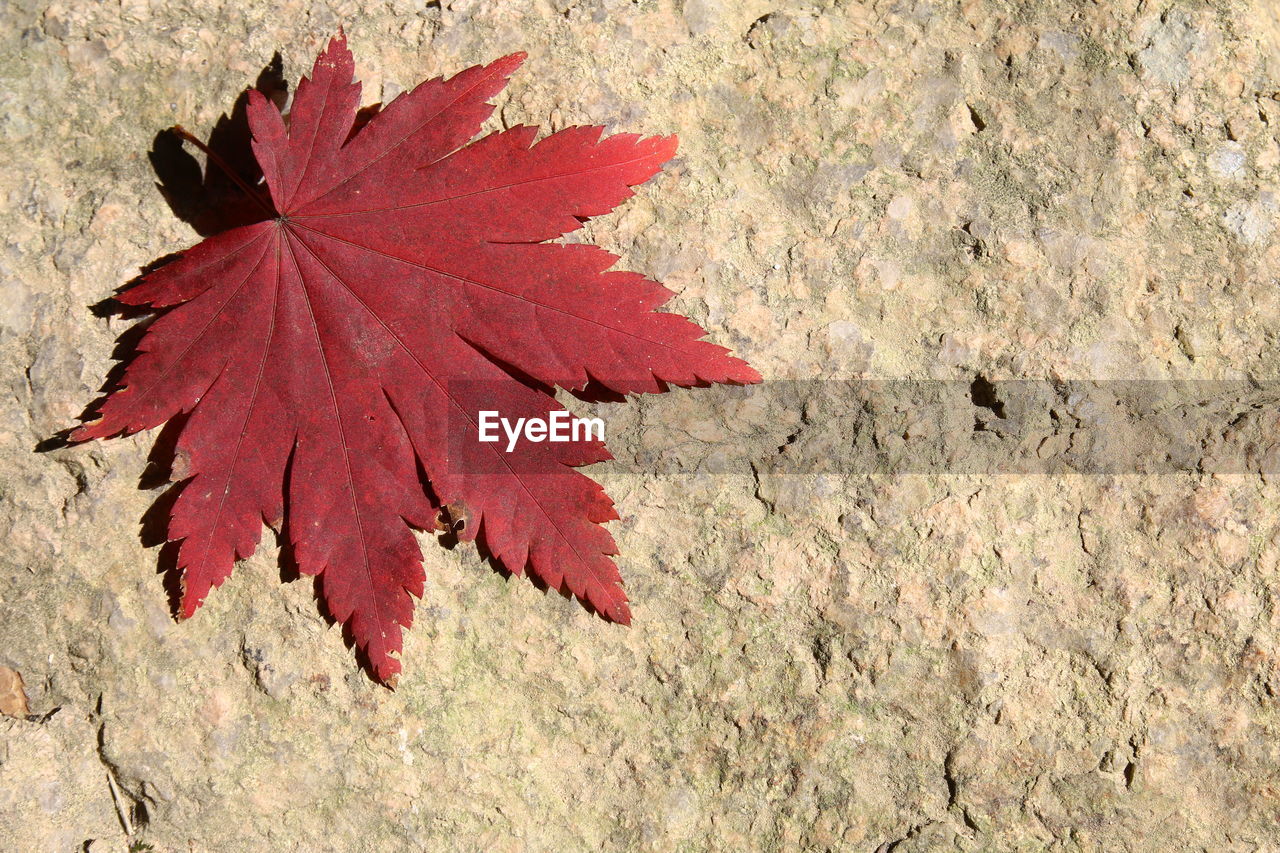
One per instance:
(922, 660)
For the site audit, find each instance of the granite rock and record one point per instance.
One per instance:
(937, 658)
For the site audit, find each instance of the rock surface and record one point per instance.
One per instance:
(929, 659)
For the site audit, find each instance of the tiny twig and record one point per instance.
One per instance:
(186, 135)
(121, 811)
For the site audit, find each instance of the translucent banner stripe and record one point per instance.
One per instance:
(902, 426)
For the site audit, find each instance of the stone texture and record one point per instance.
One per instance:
(861, 661)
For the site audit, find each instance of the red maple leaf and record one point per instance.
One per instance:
(334, 356)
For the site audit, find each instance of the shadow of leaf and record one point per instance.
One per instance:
(209, 199)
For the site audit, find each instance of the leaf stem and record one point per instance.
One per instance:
(216, 160)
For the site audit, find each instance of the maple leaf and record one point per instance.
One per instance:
(333, 356)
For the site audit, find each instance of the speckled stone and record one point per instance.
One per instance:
(836, 660)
